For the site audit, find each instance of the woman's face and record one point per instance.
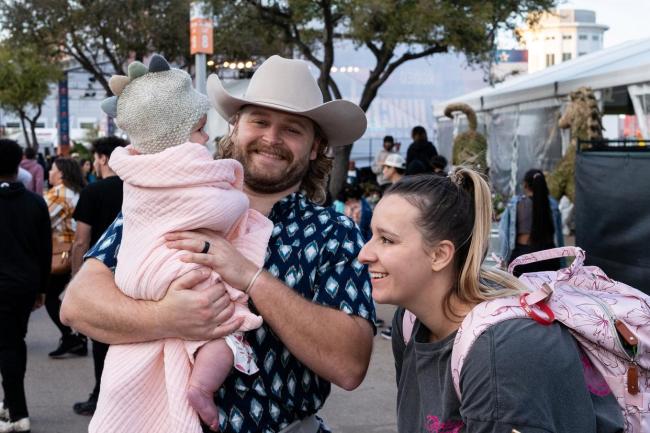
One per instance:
(86, 167)
(55, 177)
(396, 255)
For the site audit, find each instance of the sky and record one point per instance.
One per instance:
(627, 19)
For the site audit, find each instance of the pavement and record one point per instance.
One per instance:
(54, 385)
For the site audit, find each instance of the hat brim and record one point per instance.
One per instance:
(342, 122)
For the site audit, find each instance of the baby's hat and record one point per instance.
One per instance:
(156, 106)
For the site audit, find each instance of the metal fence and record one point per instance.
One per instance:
(365, 149)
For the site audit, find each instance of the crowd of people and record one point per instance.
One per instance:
(228, 295)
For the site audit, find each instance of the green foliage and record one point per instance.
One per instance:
(25, 75)
(24, 78)
(102, 35)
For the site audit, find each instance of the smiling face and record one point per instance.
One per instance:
(275, 148)
(397, 257)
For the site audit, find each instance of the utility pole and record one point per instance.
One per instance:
(200, 40)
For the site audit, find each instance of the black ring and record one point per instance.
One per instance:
(206, 247)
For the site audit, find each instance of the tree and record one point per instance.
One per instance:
(101, 35)
(394, 31)
(25, 76)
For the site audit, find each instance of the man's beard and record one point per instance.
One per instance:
(265, 182)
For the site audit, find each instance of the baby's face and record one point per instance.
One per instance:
(198, 135)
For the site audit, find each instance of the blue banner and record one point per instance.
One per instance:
(64, 113)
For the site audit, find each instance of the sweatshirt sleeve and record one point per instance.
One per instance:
(45, 234)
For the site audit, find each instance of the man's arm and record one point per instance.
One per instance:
(80, 245)
(106, 314)
(333, 344)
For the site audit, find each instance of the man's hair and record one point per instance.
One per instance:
(30, 153)
(314, 183)
(106, 145)
(419, 131)
(389, 138)
(10, 156)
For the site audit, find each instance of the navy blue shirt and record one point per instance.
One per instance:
(313, 250)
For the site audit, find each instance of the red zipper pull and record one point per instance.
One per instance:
(633, 379)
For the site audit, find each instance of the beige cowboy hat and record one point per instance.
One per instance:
(287, 85)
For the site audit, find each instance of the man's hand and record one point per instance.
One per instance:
(40, 300)
(196, 314)
(222, 257)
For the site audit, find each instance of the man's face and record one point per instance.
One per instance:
(275, 148)
(388, 145)
(98, 162)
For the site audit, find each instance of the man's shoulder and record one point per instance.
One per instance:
(325, 216)
(102, 186)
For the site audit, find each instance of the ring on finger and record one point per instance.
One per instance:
(206, 247)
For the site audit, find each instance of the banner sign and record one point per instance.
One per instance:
(200, 29)
(64, 117)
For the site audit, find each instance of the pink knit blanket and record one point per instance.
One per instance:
(144, 385)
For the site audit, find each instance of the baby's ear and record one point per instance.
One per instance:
(137, 69)
(117, 83)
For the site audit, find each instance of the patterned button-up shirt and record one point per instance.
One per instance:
(314, 251)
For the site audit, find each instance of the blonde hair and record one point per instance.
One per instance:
(314, 182)
(458, 208)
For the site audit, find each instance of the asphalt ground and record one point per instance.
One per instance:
(54, 385)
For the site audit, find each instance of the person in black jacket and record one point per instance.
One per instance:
(421, 150)
(25, 261)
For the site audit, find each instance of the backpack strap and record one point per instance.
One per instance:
(479, 320)
(408, 321)
(553, 253)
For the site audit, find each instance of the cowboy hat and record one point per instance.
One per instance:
(287, 85)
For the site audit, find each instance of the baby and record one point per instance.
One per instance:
(172, 183)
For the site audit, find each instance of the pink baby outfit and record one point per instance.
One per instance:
(144, 385)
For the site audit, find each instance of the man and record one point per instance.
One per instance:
(30, 164)
(312, 293)
(421, 149)
(394, 168)
(25, 261)
(99, 204)
(378, 163)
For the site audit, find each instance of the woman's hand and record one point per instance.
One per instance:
(235, 269)
(196, 314)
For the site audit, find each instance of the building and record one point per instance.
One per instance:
(561, 35)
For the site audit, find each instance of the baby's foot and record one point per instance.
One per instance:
(203, 404)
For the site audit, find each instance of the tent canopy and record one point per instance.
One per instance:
(621, 65)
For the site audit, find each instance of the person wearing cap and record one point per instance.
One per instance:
(312, 293)
(171, 183)
(394, 168)
(389, 148)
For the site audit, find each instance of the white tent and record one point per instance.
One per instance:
(520, 115)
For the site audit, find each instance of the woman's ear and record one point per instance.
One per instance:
(442, 255)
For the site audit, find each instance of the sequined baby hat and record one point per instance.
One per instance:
(156, 106)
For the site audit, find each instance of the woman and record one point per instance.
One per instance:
(67, 182)
(530, 223)
(87, 171)
(430, 235)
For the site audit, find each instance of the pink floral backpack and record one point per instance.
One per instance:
(610, 321)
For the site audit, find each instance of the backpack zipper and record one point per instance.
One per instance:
(618, 327)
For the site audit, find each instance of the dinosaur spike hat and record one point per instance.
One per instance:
(156, 106)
